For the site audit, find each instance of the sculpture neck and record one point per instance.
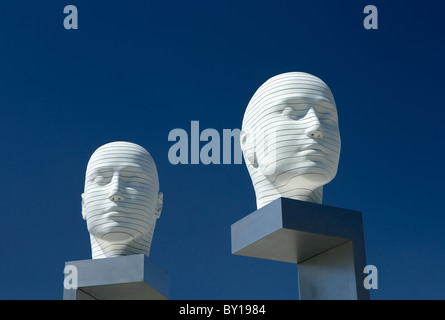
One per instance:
(103, 249)
(268, 193)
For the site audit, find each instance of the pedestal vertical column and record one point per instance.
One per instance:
(326, 243)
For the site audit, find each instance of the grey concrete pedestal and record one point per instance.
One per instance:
(132, 277)
(326, 242)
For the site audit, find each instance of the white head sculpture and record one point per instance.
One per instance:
(290, 138)
(121, 200)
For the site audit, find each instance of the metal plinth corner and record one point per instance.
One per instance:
(132, 277)
(327, 244)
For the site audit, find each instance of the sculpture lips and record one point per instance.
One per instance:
(314, 152)
(115, 211)
(317, 148)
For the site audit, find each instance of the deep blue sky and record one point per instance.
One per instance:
(135, 70)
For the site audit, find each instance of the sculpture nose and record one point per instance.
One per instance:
(317, 134)
(116, 193)
(314, 131)
(116, 197)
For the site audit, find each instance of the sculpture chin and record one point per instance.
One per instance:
(302, 178)
(115, 232)
(309, 181)
(118, 237)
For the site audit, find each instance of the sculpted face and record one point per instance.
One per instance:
(121, 200)
(307, 143)
(294, 147)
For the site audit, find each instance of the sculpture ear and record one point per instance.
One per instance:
(159, 205)
(248, 147)
(83, 207)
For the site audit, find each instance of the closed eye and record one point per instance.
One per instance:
(102, 180)
(102, 177)
(132, 180)
(292, 113)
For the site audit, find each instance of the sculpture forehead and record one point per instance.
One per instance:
(305, 98)
(302, 81)
(292, 85)
(121, 154)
